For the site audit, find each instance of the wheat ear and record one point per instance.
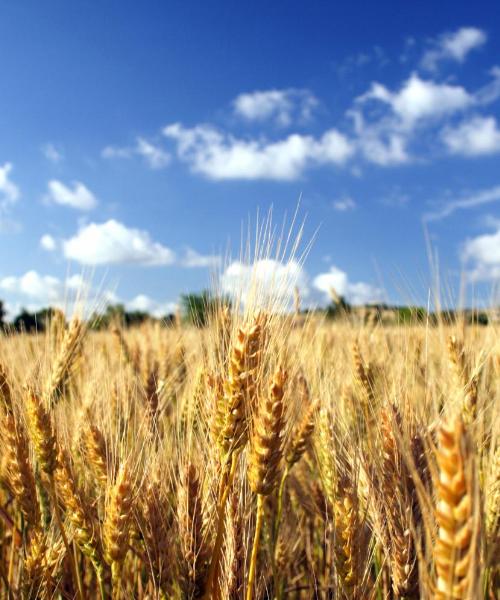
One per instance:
(81, 518)
(454, 547)
(19, 470)
(65, 359)
(116, 525)
(265, 458)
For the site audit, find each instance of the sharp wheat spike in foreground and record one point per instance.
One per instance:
(265, 458)
(259, 455)
(455, 550)
(116, 526)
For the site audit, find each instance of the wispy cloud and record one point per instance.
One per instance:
(76, 195)
(454, 46)
(344, 204)
(117, 152)
(155, 156)
(284, 106)
(9, 195)
(479, 198)
(51, 153)
(9, 191)
(193, 259)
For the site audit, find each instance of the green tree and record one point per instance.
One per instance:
(197, 308)
(338, 308)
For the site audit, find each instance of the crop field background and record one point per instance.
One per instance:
(262, 456)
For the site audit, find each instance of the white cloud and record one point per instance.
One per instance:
(476, 136)
(387, 121)
(43, 288)
(478, 198)
(355, 293)
(491, 91)
(193, 259)
(51, 153)
(381, 142)
(420, 99)
(34, 291)
(483, 252)
(9, 195)
(154, 155)
(266, 282)
(284, 106)
(9, 192)
(344, 204)
(219, 156)
(78, 196)
(454, 46)
(114, 243)
(47, 242)
(144, 303)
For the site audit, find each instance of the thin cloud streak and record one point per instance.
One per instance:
(478, 199)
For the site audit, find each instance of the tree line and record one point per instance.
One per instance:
(196, 309)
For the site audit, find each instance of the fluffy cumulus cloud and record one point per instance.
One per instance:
(43, 290)
(47, 242)
(381, 142)
(113, 243)
(155, 156)
(144, 303)
(453, 46)
(473, 137)
(220, 156)
(76, 195)
(283, 106)
(34, 291)
(387, 122)
(420, 99)
(266, 282)
(482, 256)
(355, 293)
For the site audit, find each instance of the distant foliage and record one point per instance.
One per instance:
(30, 322)
(197, 308)
(339, 308)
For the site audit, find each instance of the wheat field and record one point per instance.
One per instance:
(262, 456)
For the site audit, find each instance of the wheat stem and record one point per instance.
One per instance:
(221, 520)
(255, 547)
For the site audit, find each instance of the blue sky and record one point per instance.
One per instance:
(137, 138)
